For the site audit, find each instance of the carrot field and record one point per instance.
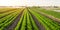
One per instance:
(29, 18)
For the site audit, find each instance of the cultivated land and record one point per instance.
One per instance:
(29, 18)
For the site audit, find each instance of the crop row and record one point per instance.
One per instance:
(50, 12)
(7, 20)
(46, 22)
(26, 22)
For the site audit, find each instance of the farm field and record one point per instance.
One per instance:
(50, 12)
(29, 18)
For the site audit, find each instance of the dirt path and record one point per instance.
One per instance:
(56, 10)
(14, 23)
(39, 25)
(49, 16)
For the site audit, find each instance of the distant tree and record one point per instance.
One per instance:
(55, 6)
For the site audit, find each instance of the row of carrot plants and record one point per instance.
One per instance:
(26, 22)
(46, 22)
(50, 12)
(7, 20)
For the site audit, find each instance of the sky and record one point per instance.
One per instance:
(29, 2)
